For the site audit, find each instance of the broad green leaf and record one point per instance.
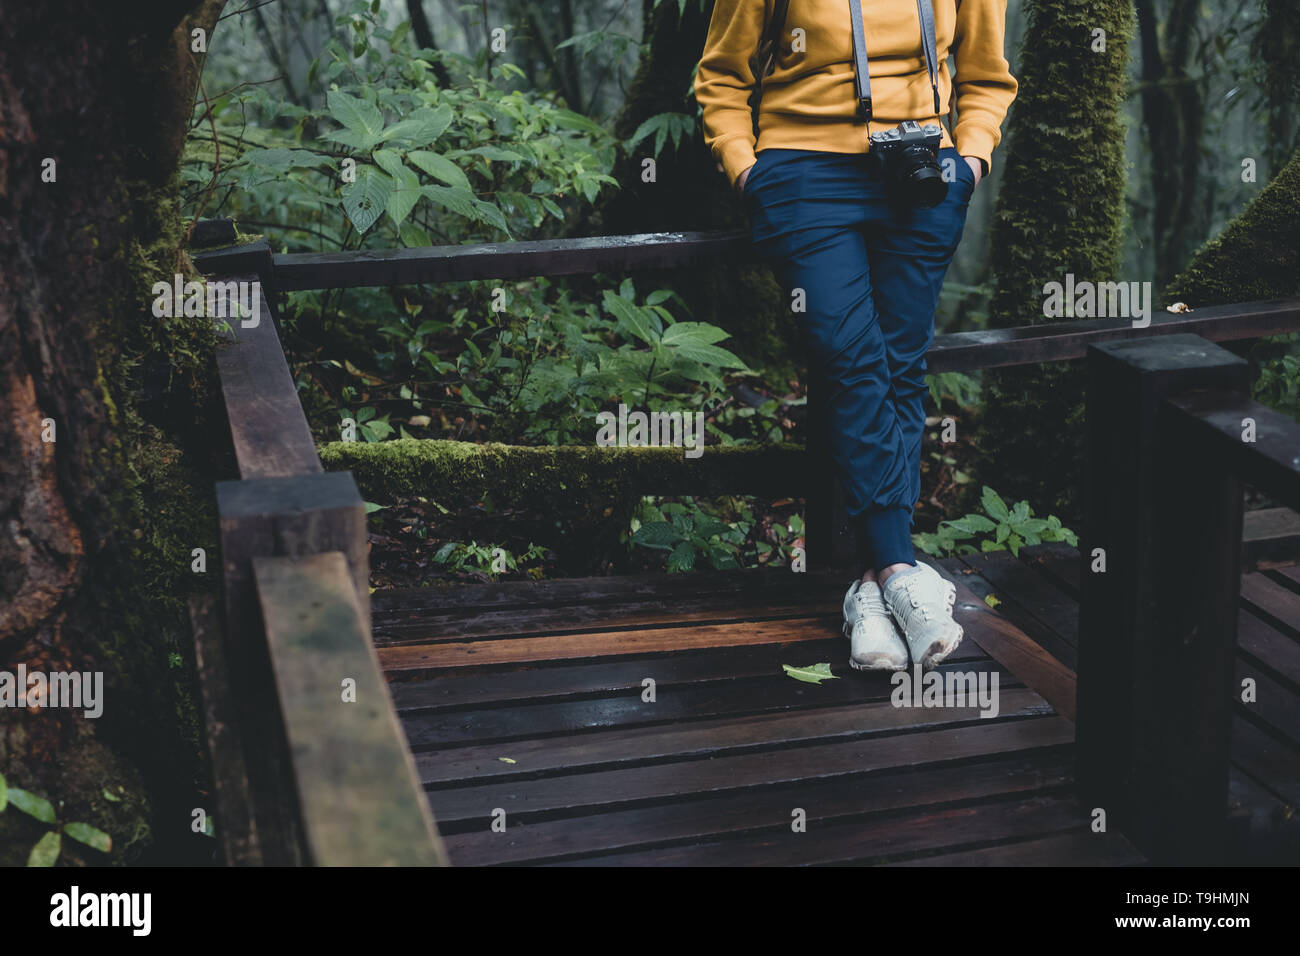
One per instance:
(413, 236)
(632, 319)
(682, 558)
(360, 117)
(93, 837)
(487, 212)
(708, 354)
(32, 805)
(422, 127)
(974, 523)
(810, 674)
(657, 534)
(454, 199)
(366, 199)
(46, 851)
(406, 185)
(994, 505)
(689, 333)
(439, 167)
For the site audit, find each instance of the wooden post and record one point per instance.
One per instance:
(264, 517)
(1151, 731)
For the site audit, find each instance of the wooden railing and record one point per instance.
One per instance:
(310, 761)
(1172, 435)
(307, 778)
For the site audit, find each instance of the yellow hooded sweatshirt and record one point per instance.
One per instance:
(809, 100)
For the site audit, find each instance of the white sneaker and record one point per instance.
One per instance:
(921, 602)
(874, 639)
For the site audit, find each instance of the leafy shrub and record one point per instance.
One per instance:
(1004, 529)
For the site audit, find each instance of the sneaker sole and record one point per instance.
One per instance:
(938, 651)
(883, 666)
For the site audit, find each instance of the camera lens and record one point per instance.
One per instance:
(920, 179)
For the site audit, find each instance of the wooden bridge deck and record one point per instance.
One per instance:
(527, 699)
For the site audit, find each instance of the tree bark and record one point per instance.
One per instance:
(1060, 210)
(98, 524)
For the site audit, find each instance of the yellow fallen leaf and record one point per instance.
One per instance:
(506, 760)
(992, 600)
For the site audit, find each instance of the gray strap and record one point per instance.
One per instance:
(925, 13)
(861, 68)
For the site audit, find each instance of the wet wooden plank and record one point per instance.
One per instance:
(407, 657)
(1272, 602)
(1068, 849)
(1026, 599)
(474, 805)
(702, 738)
(1011, 647)
(1270, 538)
(764, 808)
(359, 797)
(507, 260)
(755, 695)
(879, 839)
(1266, 759)
(267, 425)
(426, 628)
(686, 589)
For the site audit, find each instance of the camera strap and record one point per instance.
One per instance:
(861, 68)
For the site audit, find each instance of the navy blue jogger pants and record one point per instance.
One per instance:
(867, 275)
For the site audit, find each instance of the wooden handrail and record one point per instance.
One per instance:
(1172, 434)
(286, 753)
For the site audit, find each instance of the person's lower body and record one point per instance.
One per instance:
(863, 276)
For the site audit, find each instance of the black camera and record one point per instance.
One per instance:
(907, 158)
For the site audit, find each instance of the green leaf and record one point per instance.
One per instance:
(810, 674)
(657, 534)
(93, 837)
(406, 185)
(690, 333)
(366, 199)
(32, 805)
(111, 797)
(994, 505)
(363, 119)
(46, 851)
(682, 557)
(632, 319)
(439, 167)
(973, 524)
(4, 793)
(371, 507)
(458, 200)
(421, 128)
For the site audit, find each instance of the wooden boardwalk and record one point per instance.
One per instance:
(525, 703)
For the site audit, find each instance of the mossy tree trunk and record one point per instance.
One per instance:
(99, 524)
(688, 192)
(1060, 210)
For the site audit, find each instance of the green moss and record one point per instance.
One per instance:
(1257, 256)
(574, 478)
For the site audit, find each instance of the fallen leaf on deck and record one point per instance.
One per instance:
(811, 674)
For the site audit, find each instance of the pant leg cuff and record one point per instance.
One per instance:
(885, 538)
